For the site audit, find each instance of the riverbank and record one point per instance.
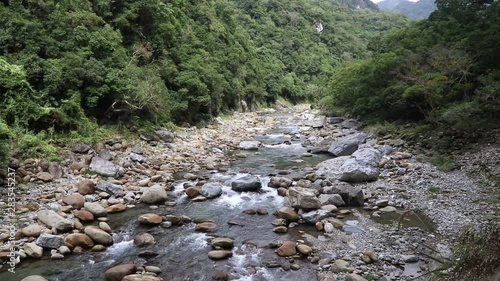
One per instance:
(366, 212)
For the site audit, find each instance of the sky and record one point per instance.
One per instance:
(376, 1)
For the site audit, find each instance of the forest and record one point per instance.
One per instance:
(70, 67)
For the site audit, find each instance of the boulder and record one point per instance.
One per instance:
(118, 272)
(206, 227)
(50, 241)
(165, 135)
(249, 145)
(56, 170)
(304, 249)
(78, 240)
(95, 208)
(32, 230)
(331, 199)
(154, 195)
(211, 190)
(192, 191)
(45, 176)
(33, 250)
(34, 278)
(331, 168)
(288, 214)
(110, 188)
(352, 195)
(116, 208)
(54, 220)
(81, 148)
(278, 182)
(287, 249)
(347, 145)
(105, 167)
(144, 239)
(84, 215)
(315, 216)
(86, 187)
(220, 254)
(303, 198)
(75, 200)
(98, 235)
(150, 219)
(246, 183)
(362, 166)
(222, 242)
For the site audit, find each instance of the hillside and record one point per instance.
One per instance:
(414, 10)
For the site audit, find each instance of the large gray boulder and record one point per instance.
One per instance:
(105, 167)
(331, 199)
(351, 195)
(96, 209)
(362, 166)
(249, 145)
(165, 135)
(54, 220)
(110, 188)
(50, 241)
(154, 195)
(211, 189)
(303, 198)
(315, 216)
(347, 145)
(246, 183)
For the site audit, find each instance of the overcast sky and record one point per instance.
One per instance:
(376, 1)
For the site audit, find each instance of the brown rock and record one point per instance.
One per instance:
(150, 219)
(304, 249)
(86, 187)
(206, 227)
(84, 215)
(78, 240)
(144, 239)
(192, 192)
(118, 272)
(287, 249)
(116, 208)
(44, 176)
(75, 200)
(288, 214)
(220, 254)
(140, 277)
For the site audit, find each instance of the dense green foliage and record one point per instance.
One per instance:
(445, 70)
(69, 65)
(414, 10)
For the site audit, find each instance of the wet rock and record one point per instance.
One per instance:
(315, 216)
(277, 182)
(279, 222)
(140, 277)
(220, 276)
(304, 249)
(287, 249)
(165, 135)
(388, 209)
(153, 269)
(382, 203)
(118, 272)
(78, 240)
(150, 219)
(110, 188)
(98, 235)
(50, 241)
(154, 195)
(330, 208)
(75, 200)
(95, 208)
(338, 224)
(84, 216)
(288, 214)
(98, 248)
(331, 199)
(34, 278)
(192, 191)
(86, 187)
(249, 145)
(211, 190)
(303, 198)
(32, 230)
(144, 239)
(246, 183)
(116, 208)
(262, 212)
(352, 195)
(222, 242)
(56, 256)
(206, 227)
(319, 226)
(354, 277)
(280, 229)
(54, 220)
(45, 176)
(81, 148)
(250, 211)
(347, 145)
(105, 167)
(220, 254)
(33, 250)
(104, 226)
(282, 191)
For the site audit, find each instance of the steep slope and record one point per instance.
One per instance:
(414, 10)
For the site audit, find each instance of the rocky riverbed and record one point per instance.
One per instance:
(271, 195)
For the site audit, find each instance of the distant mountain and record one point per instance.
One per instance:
(415, 10)
(360, 4)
